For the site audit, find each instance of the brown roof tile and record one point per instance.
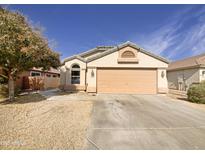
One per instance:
(101, 51)
(194, 61)
(51, 70)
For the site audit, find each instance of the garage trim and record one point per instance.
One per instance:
(155, 85)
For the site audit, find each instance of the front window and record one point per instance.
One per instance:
(33, 73)
(75, 74)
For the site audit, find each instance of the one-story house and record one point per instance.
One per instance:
(49, 78)
(125, 68)
(183, 73)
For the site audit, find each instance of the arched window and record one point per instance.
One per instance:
(75, 74)
(128, 54)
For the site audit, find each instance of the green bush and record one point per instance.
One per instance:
(196, 93)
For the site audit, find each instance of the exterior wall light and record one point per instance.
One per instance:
(92, 73)
(162, 74)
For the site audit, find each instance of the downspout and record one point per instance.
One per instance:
(86, 77)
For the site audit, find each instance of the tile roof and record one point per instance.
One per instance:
(101, 51)
(82, 55)
(195, 61)
(51, 70)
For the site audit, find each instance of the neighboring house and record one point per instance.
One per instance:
(50, 78)
(126, 68)
(183, 73)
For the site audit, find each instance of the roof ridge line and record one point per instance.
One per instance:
(190, 57)
(117, 47)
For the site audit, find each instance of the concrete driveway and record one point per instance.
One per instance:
(145, 122)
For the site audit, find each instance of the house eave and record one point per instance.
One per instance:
(124, 45)
(184, 68)
(73, 57)
(202, 66)
(155, 56)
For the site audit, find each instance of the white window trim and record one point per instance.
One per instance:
(35, 72)
(73, 76)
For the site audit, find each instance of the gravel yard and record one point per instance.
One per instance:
(34, 122)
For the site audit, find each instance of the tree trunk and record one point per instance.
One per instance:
(11, 88)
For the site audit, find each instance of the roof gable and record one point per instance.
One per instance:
(73, 57)
(125, 45)
(92, 52)
(102, 51)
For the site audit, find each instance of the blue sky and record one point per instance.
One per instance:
(172, 31)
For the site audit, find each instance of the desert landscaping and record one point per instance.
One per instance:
(34, 122)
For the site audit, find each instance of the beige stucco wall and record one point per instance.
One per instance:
(65, 72)
(144, 61)
(51, 82)
(190, 76)
(162, 80)
(88, 79)
(91, 80)
(62, 75)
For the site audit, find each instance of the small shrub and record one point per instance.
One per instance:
(196, 93)
(36, 83)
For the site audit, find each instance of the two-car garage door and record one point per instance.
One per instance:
(136, 81)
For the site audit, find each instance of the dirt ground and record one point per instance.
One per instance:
(185, 101)
(34, 122)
